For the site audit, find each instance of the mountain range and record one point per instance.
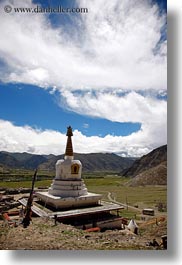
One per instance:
(150, 169)
(90, 162)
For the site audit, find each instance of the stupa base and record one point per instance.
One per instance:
(90, 199)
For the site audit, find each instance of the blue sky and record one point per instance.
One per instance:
(103, 73)
(38, 108)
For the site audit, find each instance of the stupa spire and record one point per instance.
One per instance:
(69, 147)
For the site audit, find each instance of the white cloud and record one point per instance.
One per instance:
(112, 46)
(111, 54)
(131, 107)
(20, 139)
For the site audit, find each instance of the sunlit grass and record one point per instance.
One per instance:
(24, 184)
(145, 196)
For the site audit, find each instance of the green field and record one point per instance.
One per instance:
(145, 196)
(141, 196)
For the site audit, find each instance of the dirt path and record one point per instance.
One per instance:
(125, 205)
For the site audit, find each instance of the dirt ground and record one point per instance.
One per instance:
(43, 234)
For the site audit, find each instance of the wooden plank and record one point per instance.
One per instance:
(23, 201)
(34, 208)
(106, 207)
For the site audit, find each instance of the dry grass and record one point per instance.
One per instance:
(44, 235)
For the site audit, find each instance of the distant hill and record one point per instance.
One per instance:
(146, 162)
(150, 169)
(91, 162)
(20, 156)
(21, 160)
(153, 176)
(6, 159)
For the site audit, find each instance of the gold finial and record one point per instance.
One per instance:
(69, 131)
(69, 148)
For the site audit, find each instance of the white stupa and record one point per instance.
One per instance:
(68, 190)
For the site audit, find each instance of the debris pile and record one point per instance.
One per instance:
(12, 191)
(7, 202)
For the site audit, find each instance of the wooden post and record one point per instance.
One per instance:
(28, 213)
(126, 203)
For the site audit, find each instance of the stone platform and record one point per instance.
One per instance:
(90, 199)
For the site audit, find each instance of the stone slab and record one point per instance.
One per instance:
(69, 202)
